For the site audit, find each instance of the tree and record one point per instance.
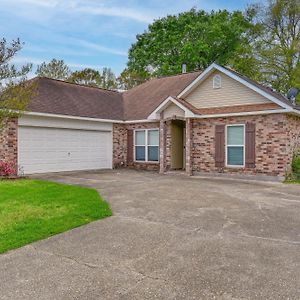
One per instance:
(129, 79)
(87, 76)
(15, 91)
(56, 69)
(196, 38)
(278, 46)
(108, 79)
(105, 79)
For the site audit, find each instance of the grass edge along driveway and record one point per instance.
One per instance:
(31, 210)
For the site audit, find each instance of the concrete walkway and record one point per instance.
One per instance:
(171, 237)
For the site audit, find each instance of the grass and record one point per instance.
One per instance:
(297, 181)
(32, 210)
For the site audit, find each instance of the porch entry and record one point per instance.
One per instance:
(177, 145)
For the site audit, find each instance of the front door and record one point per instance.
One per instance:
(177, 145)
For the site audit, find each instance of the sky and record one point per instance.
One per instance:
(88, 33)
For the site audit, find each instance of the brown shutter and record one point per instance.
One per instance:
(220, 146)
(250, 145)
(129, 146)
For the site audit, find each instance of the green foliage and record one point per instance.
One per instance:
(56, 69)
(294, 176)
(296, 164)
(88, 76)
(196, 38)
(129, 79)
(15, 92)
(14, 99)
(277, 46)
(109, 80)
(262, 43)
(31, 210)
(105, 79)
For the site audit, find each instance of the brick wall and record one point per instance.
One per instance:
(168, 141)
(9, 141)
(120, 146)
(276, 136)
(293, 131)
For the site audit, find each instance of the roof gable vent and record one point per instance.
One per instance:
(217, 81)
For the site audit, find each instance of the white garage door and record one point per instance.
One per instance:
(44, 150)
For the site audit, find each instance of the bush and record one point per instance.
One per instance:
(8, 169)
(296, 166)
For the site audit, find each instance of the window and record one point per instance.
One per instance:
(235, 145)
(146, 144)
(217, 82)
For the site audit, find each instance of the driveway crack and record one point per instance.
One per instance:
(79, 262)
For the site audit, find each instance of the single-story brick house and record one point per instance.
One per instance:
(215, 121)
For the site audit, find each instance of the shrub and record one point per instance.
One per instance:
(8, 169)
(296, 166)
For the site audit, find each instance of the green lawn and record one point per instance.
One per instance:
(31, 210)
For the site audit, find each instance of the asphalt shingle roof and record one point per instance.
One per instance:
(59, 97)
(63, 98)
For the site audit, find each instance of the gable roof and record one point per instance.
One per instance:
(63, 98)
(266, 89)
(141, 100)
(69, 99)
(255, 86)
(189, 110)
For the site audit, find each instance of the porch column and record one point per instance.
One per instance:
(162, 146)
(188, 147)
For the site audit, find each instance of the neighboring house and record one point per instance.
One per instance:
(217, 121)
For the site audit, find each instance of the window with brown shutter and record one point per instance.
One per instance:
(220, 146)
(129, 146)
(250, 145)
(235, 145)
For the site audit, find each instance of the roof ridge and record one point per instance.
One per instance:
(76, 84)
(162, 77)
(174, 75)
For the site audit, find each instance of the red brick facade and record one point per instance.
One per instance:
(9, 141)
(120, 146)
(277, 135)
(277, 138)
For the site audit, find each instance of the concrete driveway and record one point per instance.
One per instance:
(171, 237)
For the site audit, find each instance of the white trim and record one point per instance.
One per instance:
(85, 118)
(71, 117)
(155, 114)
(201, 77)
(215, 66)
(146, 130)
(150, 120)
(139, 121)
(226, 146)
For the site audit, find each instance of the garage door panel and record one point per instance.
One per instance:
(55, 150)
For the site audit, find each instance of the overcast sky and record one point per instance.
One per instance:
(88, 33)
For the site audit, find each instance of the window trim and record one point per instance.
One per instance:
(226, 146)
(146, 145)
(219, 78)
